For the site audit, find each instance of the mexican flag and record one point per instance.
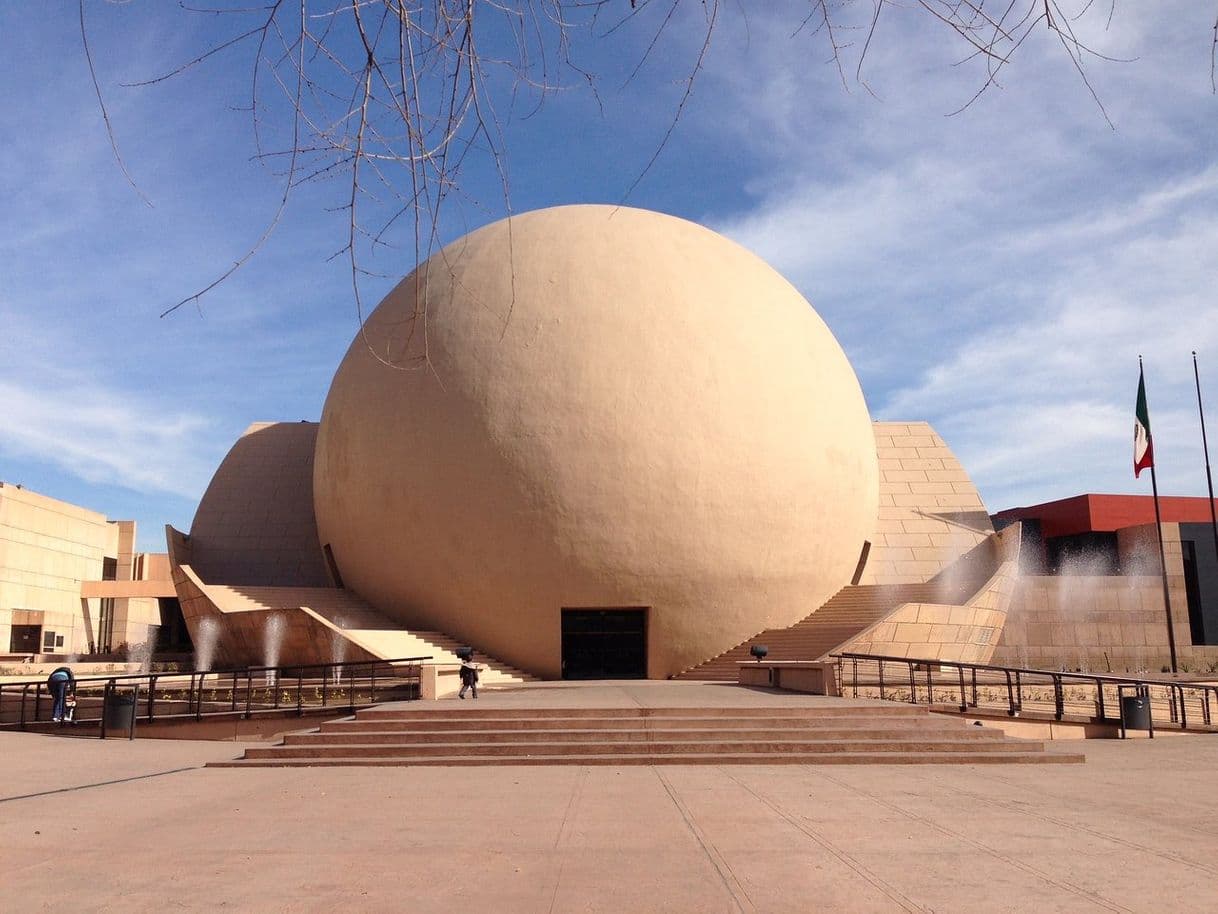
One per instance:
(1143, 451)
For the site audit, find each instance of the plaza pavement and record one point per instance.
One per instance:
(87, 825)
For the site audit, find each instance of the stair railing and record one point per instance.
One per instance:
(1050, 694)
(290, 689)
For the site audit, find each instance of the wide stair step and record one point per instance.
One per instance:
(833, 734)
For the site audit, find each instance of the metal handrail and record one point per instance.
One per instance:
(1023, 686)
(330, 680)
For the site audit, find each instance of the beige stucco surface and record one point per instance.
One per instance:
(254, 524)
(616, 408)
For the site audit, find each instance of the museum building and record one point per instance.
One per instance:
(596, 441)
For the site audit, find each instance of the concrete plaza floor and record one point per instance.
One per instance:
(87, 825)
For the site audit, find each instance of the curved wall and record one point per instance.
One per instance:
(254, 524)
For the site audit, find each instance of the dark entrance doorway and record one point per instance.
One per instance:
(606, 643)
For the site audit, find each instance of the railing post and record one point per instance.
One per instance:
(199, 702)
(25, 688)
(1011, 712)
(963, 694)
(151, 697)
(372, 684)
(913, 683)
(930, 687)
(1018, 691)
(1183, 710)
(1059, 698)
(854, 676)
(105, 703)
(300, 692)
(1099, 688)
(1150, 709)
(880, 667)
(135, 703)
(38, 702)
(974, 678)
(233, 705)
(249, 693)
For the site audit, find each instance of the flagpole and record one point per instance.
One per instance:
(1206, 449)
(1154, 488)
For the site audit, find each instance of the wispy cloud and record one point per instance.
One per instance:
(998, 272)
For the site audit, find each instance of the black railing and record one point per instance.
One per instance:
(1061, 695)
(244, 692)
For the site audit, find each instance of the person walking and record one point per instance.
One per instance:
(469, 676)
(60, 682)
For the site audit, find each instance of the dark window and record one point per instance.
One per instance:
(333, 566)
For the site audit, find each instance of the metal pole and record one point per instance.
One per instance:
(1143, 402)
(1209, 479)
(1171, 635)
(135, 703)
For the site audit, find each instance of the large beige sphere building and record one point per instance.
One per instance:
(591, 427)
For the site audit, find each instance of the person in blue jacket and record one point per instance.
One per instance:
(60, 682)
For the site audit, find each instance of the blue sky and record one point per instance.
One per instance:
(995, 272)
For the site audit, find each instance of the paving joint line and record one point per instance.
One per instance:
(137, 777)
(1094, 897)
(577, 792)
(859, 869)
(735, 890)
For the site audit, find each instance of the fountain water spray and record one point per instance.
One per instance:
(272, 640)
(141, 653)
(338, 649)
(205, 644)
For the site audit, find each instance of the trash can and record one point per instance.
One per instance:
(119, 711)
(1135, 709)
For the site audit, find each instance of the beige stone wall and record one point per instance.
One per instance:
(966, 633)
(47, 548)
(1105, 623)
(930, 512)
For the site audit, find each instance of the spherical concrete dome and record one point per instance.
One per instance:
(618, 409)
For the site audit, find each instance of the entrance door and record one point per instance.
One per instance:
(606, 643)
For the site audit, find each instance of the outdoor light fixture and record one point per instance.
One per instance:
(758, 651)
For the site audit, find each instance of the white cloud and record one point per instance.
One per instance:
(107, 437)
(997, 273)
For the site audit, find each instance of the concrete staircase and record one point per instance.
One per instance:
(847, 613)
(456, 734)
(364, 626)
